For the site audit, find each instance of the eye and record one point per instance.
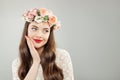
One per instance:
(34, 28)
(46, 30)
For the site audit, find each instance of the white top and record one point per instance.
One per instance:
(63, 60)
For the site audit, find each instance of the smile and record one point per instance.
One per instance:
(37, 40)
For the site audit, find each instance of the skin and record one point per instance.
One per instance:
(36, 31)
(39, 31)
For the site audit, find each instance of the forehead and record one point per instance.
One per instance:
(41, 24)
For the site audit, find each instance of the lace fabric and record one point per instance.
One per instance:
(63, 60)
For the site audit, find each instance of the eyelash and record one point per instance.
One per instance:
(45, 30)
(34, 28)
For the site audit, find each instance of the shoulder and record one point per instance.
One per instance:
(63, 60)
(15, 66)
(15, 63)
(63, 52)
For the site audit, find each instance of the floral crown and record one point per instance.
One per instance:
(42, 15)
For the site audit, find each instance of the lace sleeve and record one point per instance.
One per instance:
(66, 65)
(15, 64)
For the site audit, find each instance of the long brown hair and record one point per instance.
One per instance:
(50, 70)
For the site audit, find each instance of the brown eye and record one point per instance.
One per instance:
(46, 30)
(34, 28)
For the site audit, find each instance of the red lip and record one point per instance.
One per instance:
(37, 40)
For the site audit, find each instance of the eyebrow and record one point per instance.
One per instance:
(39, 26)
(46, 28)
(35, 25)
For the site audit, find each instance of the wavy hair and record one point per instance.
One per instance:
(50, 70)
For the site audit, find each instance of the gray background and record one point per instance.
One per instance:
(90, 32)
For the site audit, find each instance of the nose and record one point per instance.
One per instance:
(39, 34)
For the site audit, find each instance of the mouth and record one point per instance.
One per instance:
(37, 40)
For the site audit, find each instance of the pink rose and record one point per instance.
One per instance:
(30, 15)
(52, 19)
(43, 11)
(34, 11)
(25, 14)
(58, 25)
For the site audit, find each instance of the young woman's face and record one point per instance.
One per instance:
(39, 33)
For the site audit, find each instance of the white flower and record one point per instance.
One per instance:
(27, 19)
(49, 12)
(38, 19)
(57, 26)
(42, 15)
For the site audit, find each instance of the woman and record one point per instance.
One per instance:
(39, 59)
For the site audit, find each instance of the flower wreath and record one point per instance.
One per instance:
(42, 15)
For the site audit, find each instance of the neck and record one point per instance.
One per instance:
(40, 50)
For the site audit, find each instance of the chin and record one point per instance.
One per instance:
(38, 46)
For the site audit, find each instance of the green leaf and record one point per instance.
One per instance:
(38, 12)
(46, 18)
(38, 18)
(54, 25)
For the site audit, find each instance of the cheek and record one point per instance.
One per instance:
(30, 33)
(47, 36)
